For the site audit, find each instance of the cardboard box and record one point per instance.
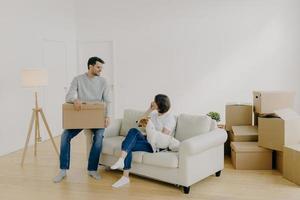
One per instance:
(249, 156)
(291, 163)
(257, 115)
(274, 133)
(91, 115)
(266, 102)
(255, 119)
(244, 134)
(237, 115)
(227, 148)
(279, 161)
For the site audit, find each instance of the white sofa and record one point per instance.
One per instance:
(201, 152)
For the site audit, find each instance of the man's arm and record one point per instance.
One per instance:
(72, 94)
(108, 102)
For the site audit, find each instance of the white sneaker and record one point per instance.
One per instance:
(121, 182)
(94, 174)
(62, 174)
(119, 164)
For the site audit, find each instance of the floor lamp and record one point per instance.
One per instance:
(34, 78)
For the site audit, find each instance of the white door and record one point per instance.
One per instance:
(103, 50)
(55, 61)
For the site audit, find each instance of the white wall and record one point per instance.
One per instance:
(25, 26)
(201, 53)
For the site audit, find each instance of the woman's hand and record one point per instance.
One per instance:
(166, 131)
(153, 106)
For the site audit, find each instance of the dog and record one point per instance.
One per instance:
(157, 139)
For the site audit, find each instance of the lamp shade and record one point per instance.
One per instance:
(34, 77)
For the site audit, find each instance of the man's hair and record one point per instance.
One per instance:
(93, 60)
(163, 103)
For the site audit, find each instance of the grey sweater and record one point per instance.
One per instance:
(90, 89)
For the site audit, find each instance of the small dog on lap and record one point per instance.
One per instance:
(157, 139)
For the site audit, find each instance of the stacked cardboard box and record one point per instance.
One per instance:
(236, 115)
(245, 153)
(243, 134)
(279, 129)
(266, 102)
(278, 161)
(276, 124)
(248, 155)
(291, 163)
(275, 132)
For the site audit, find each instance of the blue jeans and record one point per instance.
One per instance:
(65, 148)
(134, 141)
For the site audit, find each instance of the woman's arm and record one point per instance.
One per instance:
(152, 107)
(169, 125)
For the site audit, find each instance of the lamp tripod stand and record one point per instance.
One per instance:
(37, 137)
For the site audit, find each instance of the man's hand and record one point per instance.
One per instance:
(106, 122)
(77, 105)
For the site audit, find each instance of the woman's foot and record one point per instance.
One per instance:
(124, 180)
(119, 164)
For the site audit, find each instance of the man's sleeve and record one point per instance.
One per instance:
(107, 99)
(73, 91)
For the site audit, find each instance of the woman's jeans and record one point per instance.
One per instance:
(134, 141)
(65, 148)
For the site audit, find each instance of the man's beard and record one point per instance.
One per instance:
(97, 74)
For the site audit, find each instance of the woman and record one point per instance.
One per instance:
(136, 141)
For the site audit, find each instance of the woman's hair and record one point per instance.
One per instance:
(163, 103)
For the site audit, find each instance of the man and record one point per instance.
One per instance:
(86, 87)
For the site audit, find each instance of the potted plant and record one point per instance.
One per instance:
(215, 116)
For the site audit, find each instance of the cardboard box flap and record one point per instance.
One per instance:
(244, 130)
(266, 102)
(287, 114)
(238, 104)
(295, 147)
(259, 92)
(247, 147)
(85, 106)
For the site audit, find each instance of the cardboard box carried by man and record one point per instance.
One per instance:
(91, 115)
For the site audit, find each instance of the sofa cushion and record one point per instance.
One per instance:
(161, 159)
(111, 143)
(112, 147)
(192, 125)
(129, 120)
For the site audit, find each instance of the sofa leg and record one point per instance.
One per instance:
(186, 190)
(218, 173)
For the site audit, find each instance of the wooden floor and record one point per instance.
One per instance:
(34, 181)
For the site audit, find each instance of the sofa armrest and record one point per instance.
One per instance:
(113, 129)
(202, 142)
